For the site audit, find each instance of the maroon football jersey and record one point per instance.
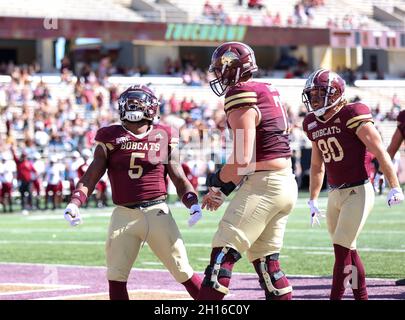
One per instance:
(343, 153)
(272, 132)
(136, 164)
(401, 122)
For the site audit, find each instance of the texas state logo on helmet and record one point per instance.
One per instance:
(136, 103)
(231, 62)
(326, 86)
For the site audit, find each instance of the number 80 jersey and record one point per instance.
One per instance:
(342, 151)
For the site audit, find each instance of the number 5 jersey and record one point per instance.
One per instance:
(136, 163)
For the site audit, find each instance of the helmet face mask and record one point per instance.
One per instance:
(323, 90)
(231, 62)
(137, 103)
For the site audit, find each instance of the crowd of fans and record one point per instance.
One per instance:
(47, 132)
(302, 14)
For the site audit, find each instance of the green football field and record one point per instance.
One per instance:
(45, 237)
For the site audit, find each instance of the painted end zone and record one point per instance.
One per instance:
(36, 281)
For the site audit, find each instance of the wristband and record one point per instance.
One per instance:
(189, 198)
(227, 188)
(214, 180)
(80, 196)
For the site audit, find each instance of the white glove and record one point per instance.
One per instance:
(395, 196)
(195, 214)
(72, 214)
(315, 212)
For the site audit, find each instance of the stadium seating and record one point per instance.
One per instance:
(72, 9)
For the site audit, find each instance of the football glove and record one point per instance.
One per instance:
(195, 214)
(395, 196)
(315, 212)
(72, 215)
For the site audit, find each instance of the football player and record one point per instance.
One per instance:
(396, 141)
(256, 217)
(340, 132)
(138, 155)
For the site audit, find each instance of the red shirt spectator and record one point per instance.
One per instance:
(277, 19)
(174, 104)
(186, 105)
(25, 169)
(192, 178)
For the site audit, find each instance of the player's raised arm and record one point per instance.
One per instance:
(85, 186)
(184, 189)
(371, 138)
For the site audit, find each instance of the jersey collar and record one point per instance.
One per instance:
(139, 136)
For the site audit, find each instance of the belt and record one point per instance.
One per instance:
(144, 204)
(350, 185)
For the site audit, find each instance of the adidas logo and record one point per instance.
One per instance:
(337, 120)
(159, 136)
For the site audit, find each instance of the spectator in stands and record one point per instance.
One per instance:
(54, 175)
(364, 76)
(208, 9)
(277, 20)
(299, 14)
(25, 171)
(288, 74)
(6, 180)
(190, 176)
(71, 170)
(267, 19)
(380, 75)
(396, 104)
(219, 14)
(377, 114)
(255, 4)
(36, 181)
(65, 64)
(174, 104)
(101, 192)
